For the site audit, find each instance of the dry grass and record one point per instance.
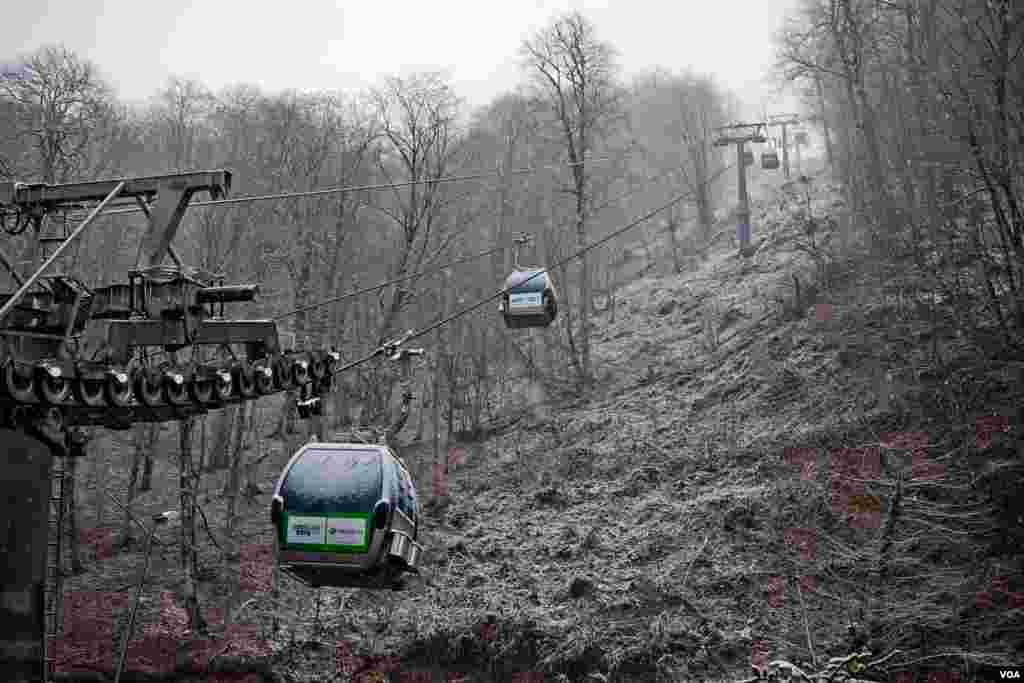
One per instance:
(650, 533)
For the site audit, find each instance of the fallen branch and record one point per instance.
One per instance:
(206, 524)
(686, 574)
(807, 628)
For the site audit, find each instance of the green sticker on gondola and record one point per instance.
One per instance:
(525, 299)
(348, 532)
(305, 530)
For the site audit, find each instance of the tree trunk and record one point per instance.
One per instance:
(574, 356)
(139, 443)
(420, 422)
(70, 480)
(96, 480)
(236, 445)
(202, 442)
(705, 212)
(436, 411)
(673, 236)
(231, 545)
(289, 413)
(824, 121)
(585, 303)
(152, 436)
(187, 486)
(612, 288)
(220, 449)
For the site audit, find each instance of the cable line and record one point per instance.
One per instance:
(373, 186)
(388, 283)
(458, 261)
(393, 345)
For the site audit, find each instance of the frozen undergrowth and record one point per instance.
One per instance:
(659, 530)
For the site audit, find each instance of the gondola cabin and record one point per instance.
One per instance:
(770, 161)
(529, 300)
(748, 157)
(345, 515)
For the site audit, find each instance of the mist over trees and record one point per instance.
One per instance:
(592, 139)
(599, 136)
(918, 106)
(922, 103)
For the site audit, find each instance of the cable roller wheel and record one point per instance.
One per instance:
(318, 366)
(283, 377)
(263, 377)
(300, 371)
(146, 383)
(89, 390)
(223, 385)
(51, 383)
(175, 387)
(118, 388)
(331, 360)
(200, 385)
(245, 380)
(19, 383)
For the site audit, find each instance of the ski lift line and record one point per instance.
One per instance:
(483, 302)
(465, 259)
(374, 186)
(388, 283)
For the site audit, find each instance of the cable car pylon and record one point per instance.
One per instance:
(740, 134)
(783, 121)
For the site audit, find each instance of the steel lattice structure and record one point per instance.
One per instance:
(47, 387)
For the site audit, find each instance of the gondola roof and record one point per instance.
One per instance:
(333, 478)
(515, 281)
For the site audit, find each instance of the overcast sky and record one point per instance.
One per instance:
(351, 44)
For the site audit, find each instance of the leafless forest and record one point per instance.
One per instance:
(646, 490)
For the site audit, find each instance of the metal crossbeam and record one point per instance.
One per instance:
(69, 195)
(783, 121)
(13, 301)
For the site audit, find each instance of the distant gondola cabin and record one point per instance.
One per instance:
(529, 299)
(770, 160)
(345, 515)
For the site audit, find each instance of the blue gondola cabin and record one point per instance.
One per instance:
(529, 300)
(345, 515)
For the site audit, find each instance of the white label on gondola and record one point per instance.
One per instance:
(346, 531)
(306, 529)
(527, 299)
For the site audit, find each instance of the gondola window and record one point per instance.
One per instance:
(323, 515)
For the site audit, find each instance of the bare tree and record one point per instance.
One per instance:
(574, 75)
(144, 439)
(57, 98)
(188, 485)
(180, 113)
(675, 117)
(419, 131)
(55, 101)
(418, 143)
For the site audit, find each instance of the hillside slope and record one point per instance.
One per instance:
(748, 482)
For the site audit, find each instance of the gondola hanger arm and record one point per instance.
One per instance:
(390, 348)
